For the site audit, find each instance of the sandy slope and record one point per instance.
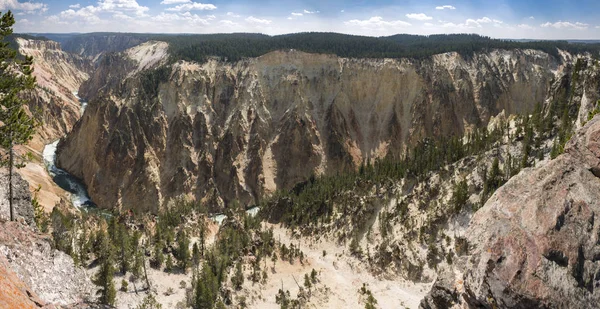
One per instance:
(341, 276)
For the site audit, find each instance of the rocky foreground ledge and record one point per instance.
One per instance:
(536, 242)
(32, 273)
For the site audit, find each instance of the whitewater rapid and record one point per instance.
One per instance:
(63, 179)
(68, 182)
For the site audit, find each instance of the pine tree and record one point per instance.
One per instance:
(125, 249)
(40, 217)
(183, 250)
(17, 126)
(195, 255)
(159, 257)
(495, 177)
(169, 264)
(207, 288)
(460, 195)
(238, 277)
(104, 277)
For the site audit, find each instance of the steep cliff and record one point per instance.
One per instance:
(237, 131)
(59, 76)
(535, 242)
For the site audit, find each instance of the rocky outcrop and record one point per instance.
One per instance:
(222, 131)
(21, 199)
(49, 273)
(14, 293)
(535, 242)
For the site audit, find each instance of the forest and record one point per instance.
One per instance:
(234, 47)
(237, 46)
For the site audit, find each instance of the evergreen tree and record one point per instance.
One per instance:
(125, 249)
(183, 250)
(159, 257)
(238, 278)
(195, 255)
(17, 126)
(555, 150)
(40, 217)
(495, 178)
(104, 277)
(84, 246)
(138, 264)
(207, 288)
(460, 195)
(169, 264)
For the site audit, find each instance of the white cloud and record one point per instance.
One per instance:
(445, 7)
(525, 26)
(30, 7)
(75, 6)
(55, 20)
(310, 12)
(121, 15)
(228, 22)
(473, 23)
(531, 17)
(376, 22)
(566, 25)
(254, 20)
(419, 16)
(175, 1)
(188, 17)
(232, 14)
(297, 14)
(121, 5)
(87, 14)
(478, 23)
(119, 9)
(193, 6)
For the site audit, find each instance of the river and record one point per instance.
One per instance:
(66, 181)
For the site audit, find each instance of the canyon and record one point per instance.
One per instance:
(157, 131)
(239, 131)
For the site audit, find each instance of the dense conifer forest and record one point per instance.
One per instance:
(237, 46)
(234, 47)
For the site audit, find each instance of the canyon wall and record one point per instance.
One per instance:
(236, 131)
(58, 75)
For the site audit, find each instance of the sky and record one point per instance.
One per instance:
(517, 19)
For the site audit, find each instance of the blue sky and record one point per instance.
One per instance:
(539, 19)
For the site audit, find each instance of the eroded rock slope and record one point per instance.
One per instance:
(220, 131)
(535, 242)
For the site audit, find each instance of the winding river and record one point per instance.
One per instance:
(66, 181)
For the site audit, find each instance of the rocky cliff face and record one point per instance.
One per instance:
(94, 45)
(237, 131)
(51, 274)
(32, 273)
(59, 76)
(535, 242)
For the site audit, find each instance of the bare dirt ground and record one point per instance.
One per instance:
(340, 278)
